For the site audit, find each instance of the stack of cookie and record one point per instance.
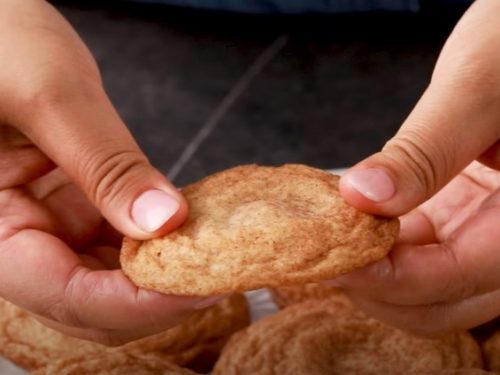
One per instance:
(195, 344)
(251, 227)
(319, 331)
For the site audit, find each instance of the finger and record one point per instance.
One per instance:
(100, 336)
(428, 320)
(20, 161)
(416, 229)
(78, 296)
(464, 265)
(19, 166)
(78, 220)
(86, 138)
(73, 122)
(450, 208)
(410, 275)
(456, 120)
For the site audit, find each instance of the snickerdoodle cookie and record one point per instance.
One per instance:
(113, 363)
(251, 227)
(462, 371)
(331, 336)
(195, 343)
(290, 295)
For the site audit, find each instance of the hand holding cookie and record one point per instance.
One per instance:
(63, 152)
(443, 274)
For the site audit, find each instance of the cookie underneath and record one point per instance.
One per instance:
(331, 336)
(251, 227)
(108, 363)
(196, 343)
(491, 352)
(289, 295)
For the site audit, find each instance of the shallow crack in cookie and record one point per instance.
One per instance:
(251, 227)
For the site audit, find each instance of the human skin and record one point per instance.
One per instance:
(72, 178)
(72, 182)
(443, 274)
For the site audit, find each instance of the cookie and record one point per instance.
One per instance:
(251, 227)
(195, 343)
(491, 352)
(462, 371)
(290, 295)
(331, 336)
(113, 363)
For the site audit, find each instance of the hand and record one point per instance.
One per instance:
(443, 273)
(68, 167)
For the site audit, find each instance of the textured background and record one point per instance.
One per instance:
(322, 90)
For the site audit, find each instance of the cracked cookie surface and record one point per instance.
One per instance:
(251, 227)
(331, 336)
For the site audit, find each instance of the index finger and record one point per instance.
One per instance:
(40, 273)
(463, 265)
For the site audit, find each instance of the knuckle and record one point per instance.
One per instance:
(422, 159)
(65, 308)
(53, 97)
(460, 284)
(10, 222)
(108, 174)
(59, 312)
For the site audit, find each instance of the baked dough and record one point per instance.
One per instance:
(290, 295)
(331, 336)
(195, 343)
(251, 227)
(115, 363)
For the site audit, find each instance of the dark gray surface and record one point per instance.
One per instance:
(335, 93)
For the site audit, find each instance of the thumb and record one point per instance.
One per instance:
(456, 121)
(83, 134)
(448, 129)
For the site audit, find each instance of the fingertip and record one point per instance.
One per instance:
(354, 198)
(367, 277)
(377, 190)
(367, 189)
(157, 212)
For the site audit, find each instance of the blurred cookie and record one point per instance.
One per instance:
(251, 227)
(195, 343)
(113, 363)
(491, 352)
(290, 295)
(198, 341)
(462, 371)
(331, 336)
